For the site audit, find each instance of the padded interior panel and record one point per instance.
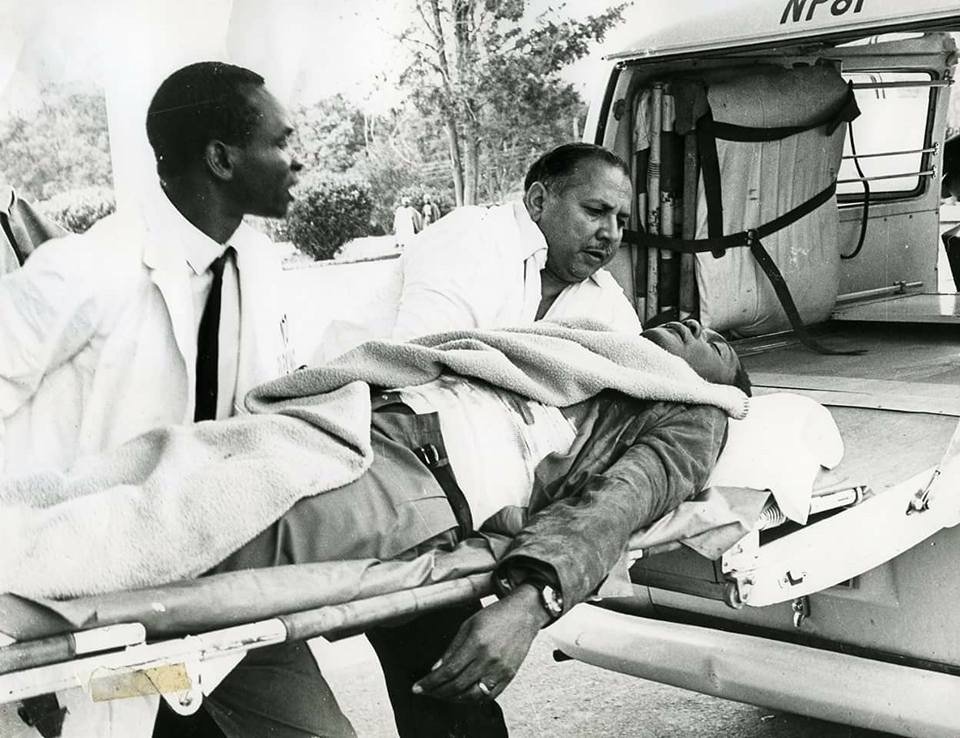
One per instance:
(761, 181)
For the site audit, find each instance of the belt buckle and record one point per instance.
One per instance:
(428, 454)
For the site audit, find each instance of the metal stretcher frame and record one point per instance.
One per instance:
(184, 669)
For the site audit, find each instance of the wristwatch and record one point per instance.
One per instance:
(552, 601)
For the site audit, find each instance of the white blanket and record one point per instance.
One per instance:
(172, 503)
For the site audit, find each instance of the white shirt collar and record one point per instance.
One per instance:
(533, 245)
(196, 247)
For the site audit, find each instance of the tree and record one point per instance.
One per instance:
(61, 146)
(400, 159)
(329, 134)
(493, 87)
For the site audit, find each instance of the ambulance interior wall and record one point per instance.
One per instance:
(902, 238)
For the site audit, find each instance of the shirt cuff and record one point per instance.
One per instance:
(523, 570)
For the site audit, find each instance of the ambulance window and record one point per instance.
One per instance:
(889, 136)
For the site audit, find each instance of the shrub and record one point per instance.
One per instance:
(77, 210)
(273, 228)
(330, 210)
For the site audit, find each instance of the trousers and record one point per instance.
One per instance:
(396, 510)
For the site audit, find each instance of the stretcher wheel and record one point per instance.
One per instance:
(731, 595)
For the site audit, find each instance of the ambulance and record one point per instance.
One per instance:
(792, 191)
(787, 157)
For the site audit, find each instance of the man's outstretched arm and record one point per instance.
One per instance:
(668, 451)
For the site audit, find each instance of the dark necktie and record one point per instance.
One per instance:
(208, 344)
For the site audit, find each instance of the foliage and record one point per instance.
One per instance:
(489, 77)
(396, 153)
(402, 159)
(953, 112)
(329, 135)
(61, 146)
(330, 210)
(77, 210)
(273, 228)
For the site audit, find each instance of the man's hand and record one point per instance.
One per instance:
(488, 649)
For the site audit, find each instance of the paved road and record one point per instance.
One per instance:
(572, 699)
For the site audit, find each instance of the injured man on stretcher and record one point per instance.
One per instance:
(568, 438)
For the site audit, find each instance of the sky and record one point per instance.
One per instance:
(314, 48)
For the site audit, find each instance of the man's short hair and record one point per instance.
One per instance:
(557, 165)
(197, 104)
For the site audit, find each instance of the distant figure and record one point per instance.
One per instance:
(430, 211)
(406, 222)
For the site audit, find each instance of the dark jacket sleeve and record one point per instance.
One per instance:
(640, 461)
(23, 229)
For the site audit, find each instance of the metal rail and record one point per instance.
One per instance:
(929, 150)
(904, 83)
(166, 666)
(924, 173)
(898, 288)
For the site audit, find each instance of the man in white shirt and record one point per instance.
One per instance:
(100, 330)
(504, 266)
(516, 263)
(163, 314)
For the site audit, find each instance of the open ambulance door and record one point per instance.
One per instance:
(866, 274)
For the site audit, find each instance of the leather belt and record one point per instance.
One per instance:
(432, 455)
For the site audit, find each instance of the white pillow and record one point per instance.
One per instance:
(780, 446)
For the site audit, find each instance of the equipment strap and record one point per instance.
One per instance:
(708, 131)
(845, 112)
(11, 238)
(733, 240)
(752, 238)
(436, 460)
(710, 168)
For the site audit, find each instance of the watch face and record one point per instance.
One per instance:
(552, 602)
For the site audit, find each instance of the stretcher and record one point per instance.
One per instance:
(173, 642)
(181, 640)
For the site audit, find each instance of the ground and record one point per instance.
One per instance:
(574, 700)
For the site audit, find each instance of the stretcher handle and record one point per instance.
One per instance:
(339, 621)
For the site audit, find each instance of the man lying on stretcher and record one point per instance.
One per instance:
(462, 456)
(453, 455)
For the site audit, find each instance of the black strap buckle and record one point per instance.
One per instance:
(429, 455)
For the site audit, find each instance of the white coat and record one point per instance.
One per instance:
(98, 338)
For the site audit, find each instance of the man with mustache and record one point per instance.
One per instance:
(513, 264)
(502, 266)
(164, 313)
